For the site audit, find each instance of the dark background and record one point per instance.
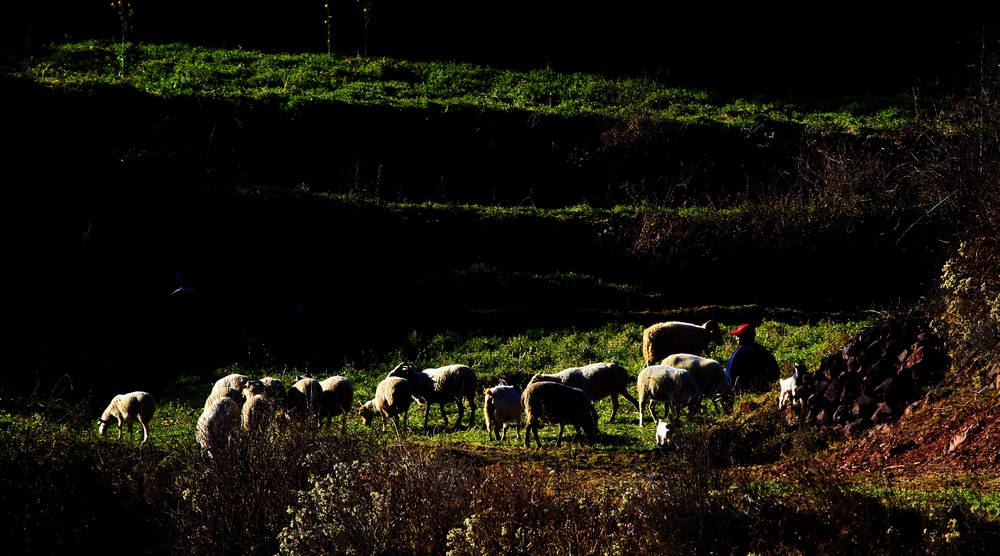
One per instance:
(849, 46)
(104, 203)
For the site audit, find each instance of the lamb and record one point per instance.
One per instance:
(790, 386)
(665, 435)
(502, 406)
(597, 380)
(393, 397)
(217, 426)
(666, 338)
(439, 386)
(303, 399)
(662, 383)
(337, 398)
(134, 407)
(554, 402)
(710, 377)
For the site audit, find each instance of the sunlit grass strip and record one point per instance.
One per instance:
(293, 81)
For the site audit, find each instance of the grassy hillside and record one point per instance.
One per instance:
(339, 214)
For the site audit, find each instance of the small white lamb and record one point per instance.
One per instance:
(790, 386)
(134, 407)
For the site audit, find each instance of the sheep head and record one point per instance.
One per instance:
(367, 412)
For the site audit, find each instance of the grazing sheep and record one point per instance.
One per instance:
(337, 398)
(274, 387)
(224, 392)
(303, 399)
(254, 388)
(790, 386)
(439, 386)
(710, 377)
(554, 402)
(502, 406)
(666, 338)
(258, 413)
(662, 383)
(218, 425)
(597, 380)
(393, 397)
(125, 409)
(236, 381)
(665, 435)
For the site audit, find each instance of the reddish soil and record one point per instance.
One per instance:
(957, 434)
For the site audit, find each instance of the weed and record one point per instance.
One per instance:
(124, 10)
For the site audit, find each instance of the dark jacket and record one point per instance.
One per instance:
(752, 368)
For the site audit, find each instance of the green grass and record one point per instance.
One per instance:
(294, 81)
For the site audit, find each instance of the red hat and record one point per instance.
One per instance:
(741, 329)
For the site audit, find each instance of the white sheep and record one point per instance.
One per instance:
(218, 425)
(710, 377)
(258, 413)
(393, 398)
(597, 380)
(790, 386)
(665, 435)
(666, 338)
(554, 402)
(302, 400)
(502, 406)
(125, 409)
(337, 398)
(274, 386)
(661, 383)
(442, 385)
(224, 392)
(236, 381)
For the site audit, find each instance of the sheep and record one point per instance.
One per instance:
(666, 338)
(217, 425)
(303, 399)
(598, 381)
(236, 380)
(676, 387)
(337, 398)
(274, 387)
(224, 392)
(710, 377)
(258, 413)
(393, 398)
(439, 386)
(554, 402)
(665, 435)
(134, 407)
(502, 406)
(254, 388)
(790, 386)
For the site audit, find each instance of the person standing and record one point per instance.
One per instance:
(752, 367)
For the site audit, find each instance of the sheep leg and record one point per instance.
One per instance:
(633, 401)
(145, 431)
(472, 411)
(559, 438)
(458, 419)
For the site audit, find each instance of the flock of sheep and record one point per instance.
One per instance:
(675, 374)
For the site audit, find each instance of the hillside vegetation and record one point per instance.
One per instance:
(343, 213)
